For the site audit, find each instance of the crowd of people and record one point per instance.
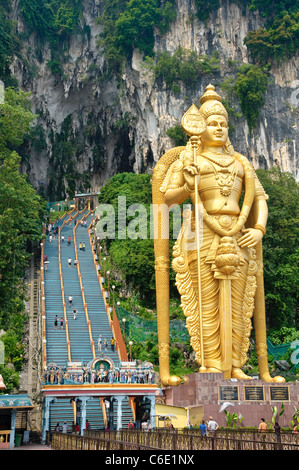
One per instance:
(58, 376)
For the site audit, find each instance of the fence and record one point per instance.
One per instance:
(131, 439)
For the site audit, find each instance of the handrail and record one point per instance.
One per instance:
(102, 401)
(63, 299)
(83, 294)
(99, 279)
(119, 338)
(43, 306)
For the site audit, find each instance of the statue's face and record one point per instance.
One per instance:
(216, 133)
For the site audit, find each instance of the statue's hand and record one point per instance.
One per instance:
(190, 172)
(250, 238)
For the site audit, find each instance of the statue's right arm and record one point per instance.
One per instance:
(176, 195)
(181, 183)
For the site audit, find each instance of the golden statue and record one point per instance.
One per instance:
(218, 254)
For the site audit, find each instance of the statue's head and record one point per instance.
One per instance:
(216, 117)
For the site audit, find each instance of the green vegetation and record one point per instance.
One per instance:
(130, 24)
(21, 212)
(135, 26)
(205, 7)
(184, 67)
(278, 40)
(277, 43)
(9, 43)
(53, 21)
(177, 135)
(281, 270)
(283, 335)
(248, 87)
(134, 257)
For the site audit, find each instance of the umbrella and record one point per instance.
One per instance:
(225, 405)
(170, 415)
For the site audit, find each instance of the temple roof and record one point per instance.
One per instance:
(15, 401)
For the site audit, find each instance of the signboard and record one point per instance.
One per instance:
(254, 393)
(280, 393)
(229, 393)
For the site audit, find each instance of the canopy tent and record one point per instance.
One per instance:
(9, 406)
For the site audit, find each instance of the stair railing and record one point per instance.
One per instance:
(43, 306)
(63, 298)
(99, 278)
(119, 338)
(103, 406)
(83, 294)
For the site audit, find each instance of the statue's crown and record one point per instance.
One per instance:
(211, 103)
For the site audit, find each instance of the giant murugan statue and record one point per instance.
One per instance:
(217, 256)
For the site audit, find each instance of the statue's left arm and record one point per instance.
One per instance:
(259, 216)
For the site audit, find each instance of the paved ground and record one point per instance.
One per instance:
(32, 447)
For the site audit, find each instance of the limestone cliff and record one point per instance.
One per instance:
(120, 124)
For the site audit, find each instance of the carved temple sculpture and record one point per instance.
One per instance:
(217, 256)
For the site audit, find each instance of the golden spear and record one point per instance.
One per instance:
(194, 125)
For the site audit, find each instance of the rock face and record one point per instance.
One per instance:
(91, 127)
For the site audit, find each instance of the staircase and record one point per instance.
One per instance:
(56, 345)
(80, 345)
(61, 411)
(100, 324)
(59, 284)
(94, 414)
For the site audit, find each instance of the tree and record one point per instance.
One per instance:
(278, 42)
(280, 247)
(21, 211)
(15, 120)
(135, 26)
(9, 44)
(251, 86)
(131, 253)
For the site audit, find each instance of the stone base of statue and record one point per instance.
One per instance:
(208, 394)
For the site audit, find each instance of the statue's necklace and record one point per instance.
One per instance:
(224, 178)
(219, 158)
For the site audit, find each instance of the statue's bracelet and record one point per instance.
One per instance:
(261, 228)
(188, 189)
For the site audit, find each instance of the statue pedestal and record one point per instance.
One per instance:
(252, 398)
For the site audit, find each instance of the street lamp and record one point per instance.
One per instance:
(130, 344)
(100, 248)
(108, 272)
(124, 324)
(113, 287)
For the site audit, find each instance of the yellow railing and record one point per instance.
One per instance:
(4, 439)
(83, 294)
(43, 306)
(63, 299)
